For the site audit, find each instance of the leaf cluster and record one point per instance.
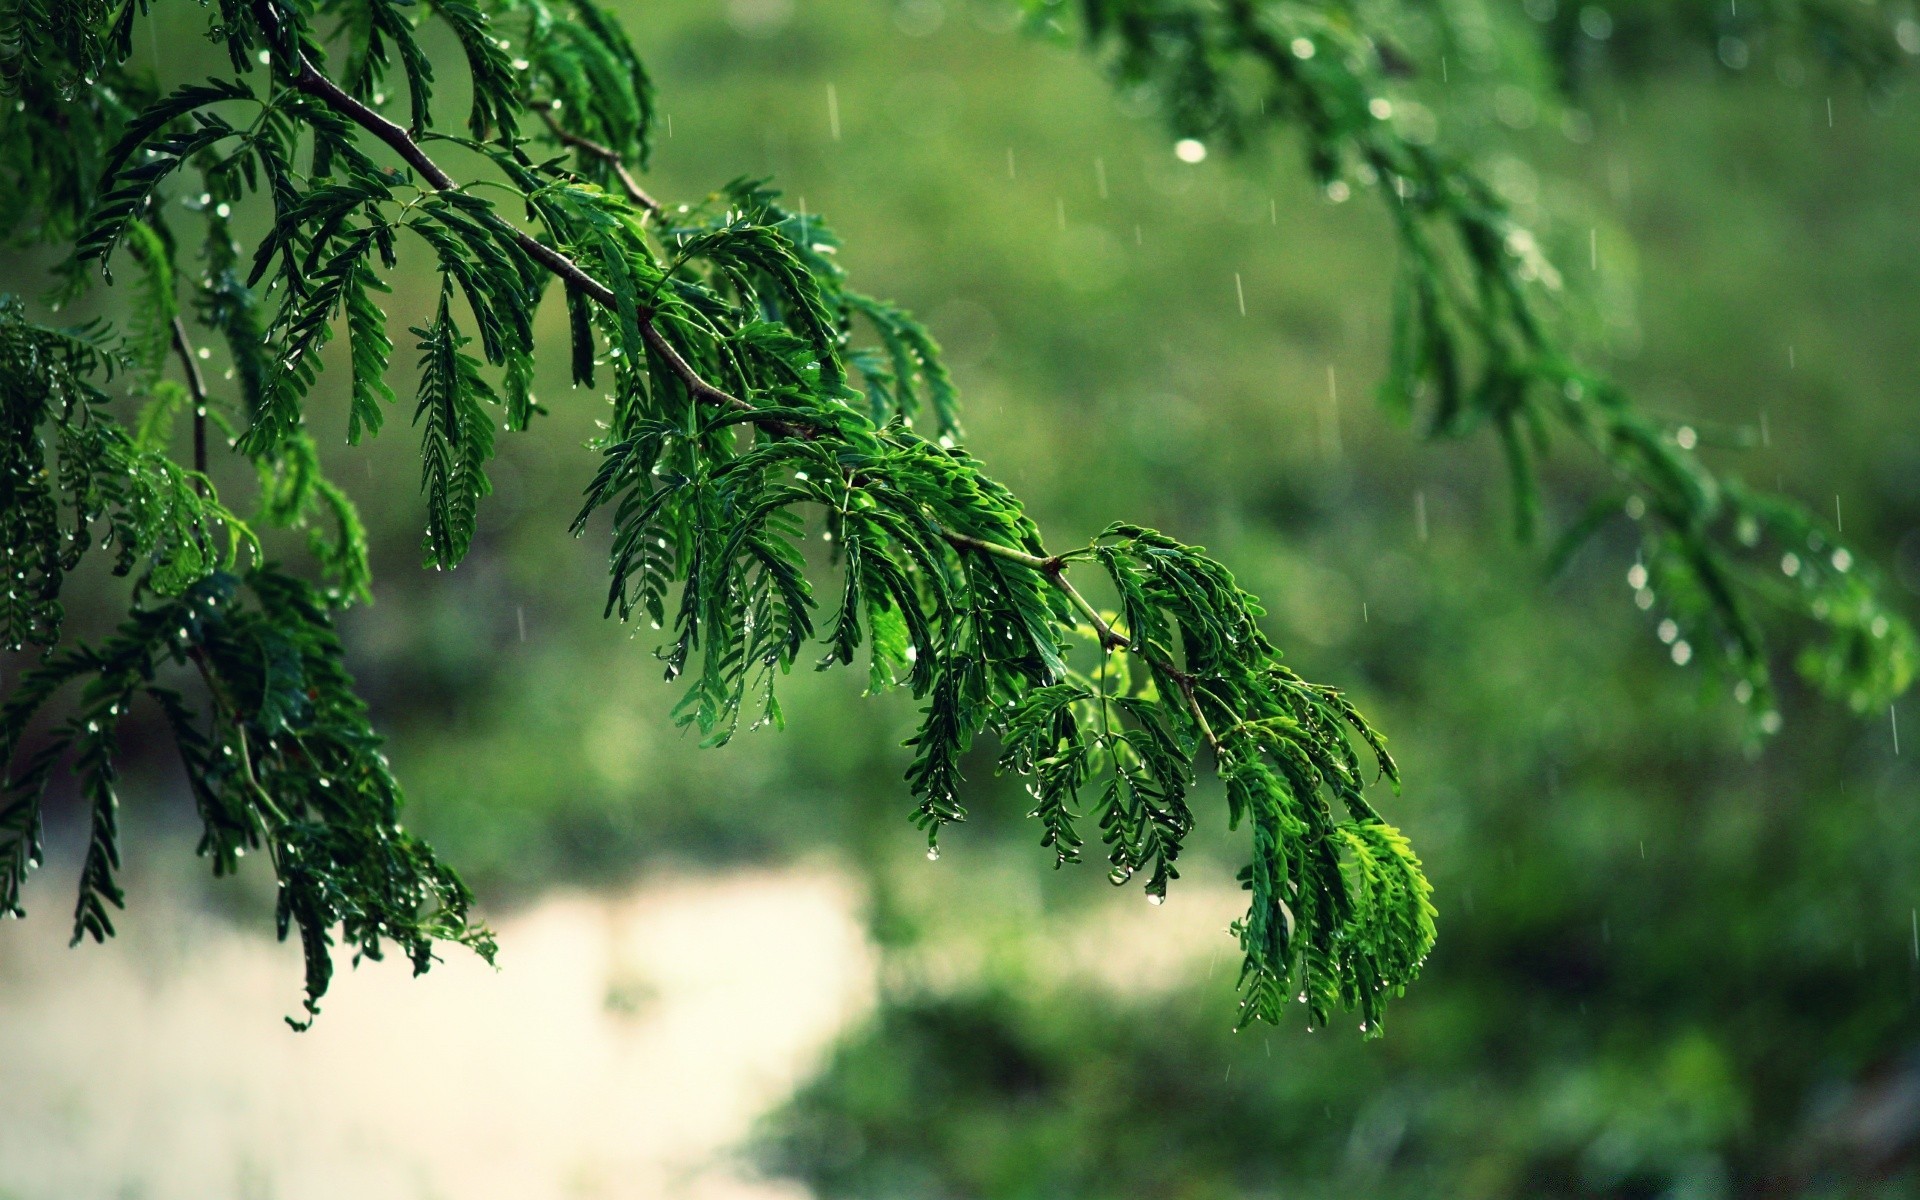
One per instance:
(283, 759)
(1475, 347)
(754, 399)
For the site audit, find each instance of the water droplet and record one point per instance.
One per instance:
(933, 854)
(1155, 898)
(1190, 150)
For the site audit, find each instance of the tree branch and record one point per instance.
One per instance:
(961, 541)
(1056, 572)
(608, 155)
(309, 80)
(197, 389)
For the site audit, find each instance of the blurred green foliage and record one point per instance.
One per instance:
(1668, 965)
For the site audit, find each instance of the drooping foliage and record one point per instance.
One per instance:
(754, 400)
(1478, 341)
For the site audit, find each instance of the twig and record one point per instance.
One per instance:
(311, 81)
(961, 541)
(608, 155)
(197, 390)
(1056, 571)
(1185, 683)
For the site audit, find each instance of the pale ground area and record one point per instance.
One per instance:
(622, 1050)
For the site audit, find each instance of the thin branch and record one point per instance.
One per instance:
(608, 155)
(1056, 571)
(703, 391)
(197, 389)
(1185, 683)
(310, 80)
(961, 541)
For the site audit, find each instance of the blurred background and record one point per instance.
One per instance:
(1670, 964)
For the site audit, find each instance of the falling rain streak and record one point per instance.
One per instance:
(833, 116)
(1330, 417)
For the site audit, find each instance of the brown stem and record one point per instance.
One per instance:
(197, 389)
(608, 155)
(1055, 571)
(308, 79)
(312, 82)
